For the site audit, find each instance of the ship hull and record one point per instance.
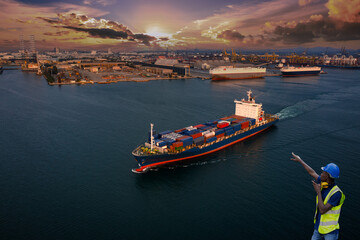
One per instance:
(235, 76)
(300, 73)
(151, 161)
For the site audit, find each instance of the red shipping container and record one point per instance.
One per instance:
(244, 125)
(181, 138)
(180, 130)
(196, 135)
(236, 121)
(223, 125)
(177, 144)
(199, 126)
(225, 118)
(220, 135)
(237, 117)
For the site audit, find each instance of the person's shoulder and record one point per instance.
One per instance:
(335, 198)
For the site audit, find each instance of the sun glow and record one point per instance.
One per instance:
(157, 31)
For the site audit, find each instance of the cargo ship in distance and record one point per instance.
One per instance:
(290, 71)
(170, 147)
(232, 73)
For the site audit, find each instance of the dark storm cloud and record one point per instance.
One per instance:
(83, 18)
(231, 35)
(299, 34)
(326, 29)
(101, 32)
(145, 39)
(60, 33)
(51, 21)
(105, 29)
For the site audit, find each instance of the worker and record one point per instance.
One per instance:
(329, 200)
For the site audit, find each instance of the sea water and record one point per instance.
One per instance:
(65, 159)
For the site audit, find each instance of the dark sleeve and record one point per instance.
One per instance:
(335, 199)
(318, 181)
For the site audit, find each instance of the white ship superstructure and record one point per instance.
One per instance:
(291, 71)
(230, 72)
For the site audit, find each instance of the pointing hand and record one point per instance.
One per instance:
(316, 187)
(296, 158)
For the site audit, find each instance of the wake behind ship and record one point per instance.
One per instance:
(194, 141)
(231, 73)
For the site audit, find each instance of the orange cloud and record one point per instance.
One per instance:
(344, 10)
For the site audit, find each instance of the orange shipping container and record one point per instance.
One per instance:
(196, 135)
(244, 125)
(179, 130)
(177, 144)
(220, 135)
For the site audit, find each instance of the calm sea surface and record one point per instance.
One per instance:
(65, 159)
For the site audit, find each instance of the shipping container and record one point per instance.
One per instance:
(164, 133)
(225, 118)
(180, 130)
(219, 131)
(237, 117)
(210, 134)
(228, 128)
(252, 121)
(211, 139)
(178, 148)
(193, 132)
(184, 138)
(168, 141)
(199, 126)
(220, 135)
(229, 132)
(223, 124)
(199, 139)
(209, 123)
(161, 144)
(155, 135)
(196, 135)
(206, 128)
(187, 143)
(236, 127)
(244, 125)
(177, 144)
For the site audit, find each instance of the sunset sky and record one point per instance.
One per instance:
(180, 24)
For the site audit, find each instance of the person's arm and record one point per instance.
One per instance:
(311, 171)
(322, 208)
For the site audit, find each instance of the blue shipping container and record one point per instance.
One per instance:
(227, 133)
(252, 121)
(236, 127)
(164, 133)
(219, 131)
(199, 139)
(212, 139)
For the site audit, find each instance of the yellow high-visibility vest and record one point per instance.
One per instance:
(329, 221)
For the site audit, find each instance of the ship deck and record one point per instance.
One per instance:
(143, 151)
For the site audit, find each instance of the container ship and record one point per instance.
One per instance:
(230, 72)
(290, 71)
(170, 147)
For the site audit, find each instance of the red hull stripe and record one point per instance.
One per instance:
(175, 160)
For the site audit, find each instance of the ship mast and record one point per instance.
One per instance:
(250, 97)
(151, 136)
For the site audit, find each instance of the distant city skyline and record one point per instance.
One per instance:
(160, 24)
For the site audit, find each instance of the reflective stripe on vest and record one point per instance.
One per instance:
(329, 221)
